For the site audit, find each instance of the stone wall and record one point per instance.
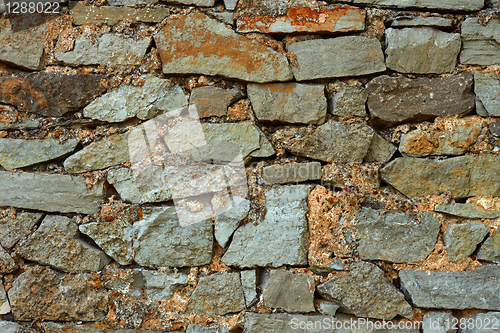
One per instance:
(250, 166)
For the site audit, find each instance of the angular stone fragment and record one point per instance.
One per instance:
(481, 43)
(4, 302)
(277, 292)
(227, 222)
(7, 263)
(13, 228)
(83, 14)
(213, 101)
(354, 55)
(481, 323)
(51, 327)
(462, 239)
(49, 192)
(490, 250)
(331, 142)
(110, 49)
(327, 308)
(18, 153)
(161, 241)
(380, 150)
(196, 43)
(225, 17)
(56, 243)
(9, 326)
(350, 101)
(249, 284)
(23, 123)
(494, 128)
(454, 5)
(198, 329)
(396, 237)
(487, 89)
(280, 239)
(414, 21)
(305, 19)
(439, 322)
(421, 50)
(217, 294)
(393, 100)
(291, 173)
(467, 210)
(230, 4)
(364, 285)
(477, 289)
(49, 94)
(40, 294)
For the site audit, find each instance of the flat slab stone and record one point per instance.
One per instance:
(461, 240)
(380, 150)
(414, 21)
(49, 192)
(487, 89)
(249, 284)
(87, 328)
(4, 301)
(454, 5)
(197, 44)
(305, 19)
(467, 210)
(477, 289)
(213, 101)
(227, 222)
(23, 123)
(111, 15)
(350, 101)
(277, 292)
(355, 55)
(481, 44)
(50, 94)
(394, 100)
(291, 173)
(288, 102)
(13, 228)
(490, 250)
(200, 3)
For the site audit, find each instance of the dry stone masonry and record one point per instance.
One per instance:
(251, 166)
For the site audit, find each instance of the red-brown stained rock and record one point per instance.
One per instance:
(305, 19)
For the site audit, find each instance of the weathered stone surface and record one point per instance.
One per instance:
(49, 192)
(327, 308)
(396, 237)
(477, 289)
(225, 17)
(218, 294)
(468, 210)
(438, 322)
(363, 286)
(18, 153)
(291, 173)
(56, 243)
(305, 19)
(8, 326)
(380, 150)
(462, 239)
(154, 97)
(354, 55)
(446, 137)
(458, 5)
(230, 4)
(350, 101)
(197, 44)
(481, 44)
(111, 15)
(131, 2)
(161, 241)
(249, 284)
(277, 293)
(463, 176)
(7, 263)
(50, 94)
(4, 302)
(288, 102)
(39, 294)
(494, 128)
(331, 142)
(23, 123)
(414, 21)
(13, 228)
(200, 3)
(198, 329)
(280, 239)
(110, 49)
(22, 46)
(352, 175)
(482, 323)
(213, 101)
(51, 327)
(393, 100)
(421, 50)
(227, 222)
(487, 89)
(490, 250)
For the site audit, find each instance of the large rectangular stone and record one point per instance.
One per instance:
(455, 5)
(481, 43)
(111, 15)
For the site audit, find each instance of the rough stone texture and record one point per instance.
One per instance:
(462, 239)
(331, 142)
(131, 2)
(354, 55)
(50, 327)
(352, 175)
(13, 228)
(249, 284)
(482, 323)
(227, 222)
(199, 329)
(280, 239)
(218, 294)
(467, 210)
(487, 89)
(18, 153)
(490, 250)
(421, 50)
(438, 322)
(365, 292)
(327, 308)
(39, 294)
(396, 237)
(110, 49)
(454, 5)
(161, 241)
(481, 44)
(213, 101)
(477, 289)
(463, 176)
(8, 326)
(197, 44)
(350, 101)
(305, 19)
(4, 302)
(154, 97)
(288, 102)
(199, 3)
(7, 263)
(56, 243)
(49, 192)
(24, 123)
(393, 100)
(111, 15)
(291, 173)
(292, 292)
(413, 21)
(230, 4)
(50, 94)
(494, 128)
(380, 150)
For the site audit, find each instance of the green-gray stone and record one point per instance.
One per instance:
(249, 284)
(7, 263)
(487, 89)
(481, 44)
(467, 210)
(227, 222)
(461, 240)
(413, 21)
(452, 5)
(13, 228)
(291, 173)
(213, 101)
(109, 15)
(490, 250)
(82, 328)
(350, 101)
(278, 295)
(380, 150)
